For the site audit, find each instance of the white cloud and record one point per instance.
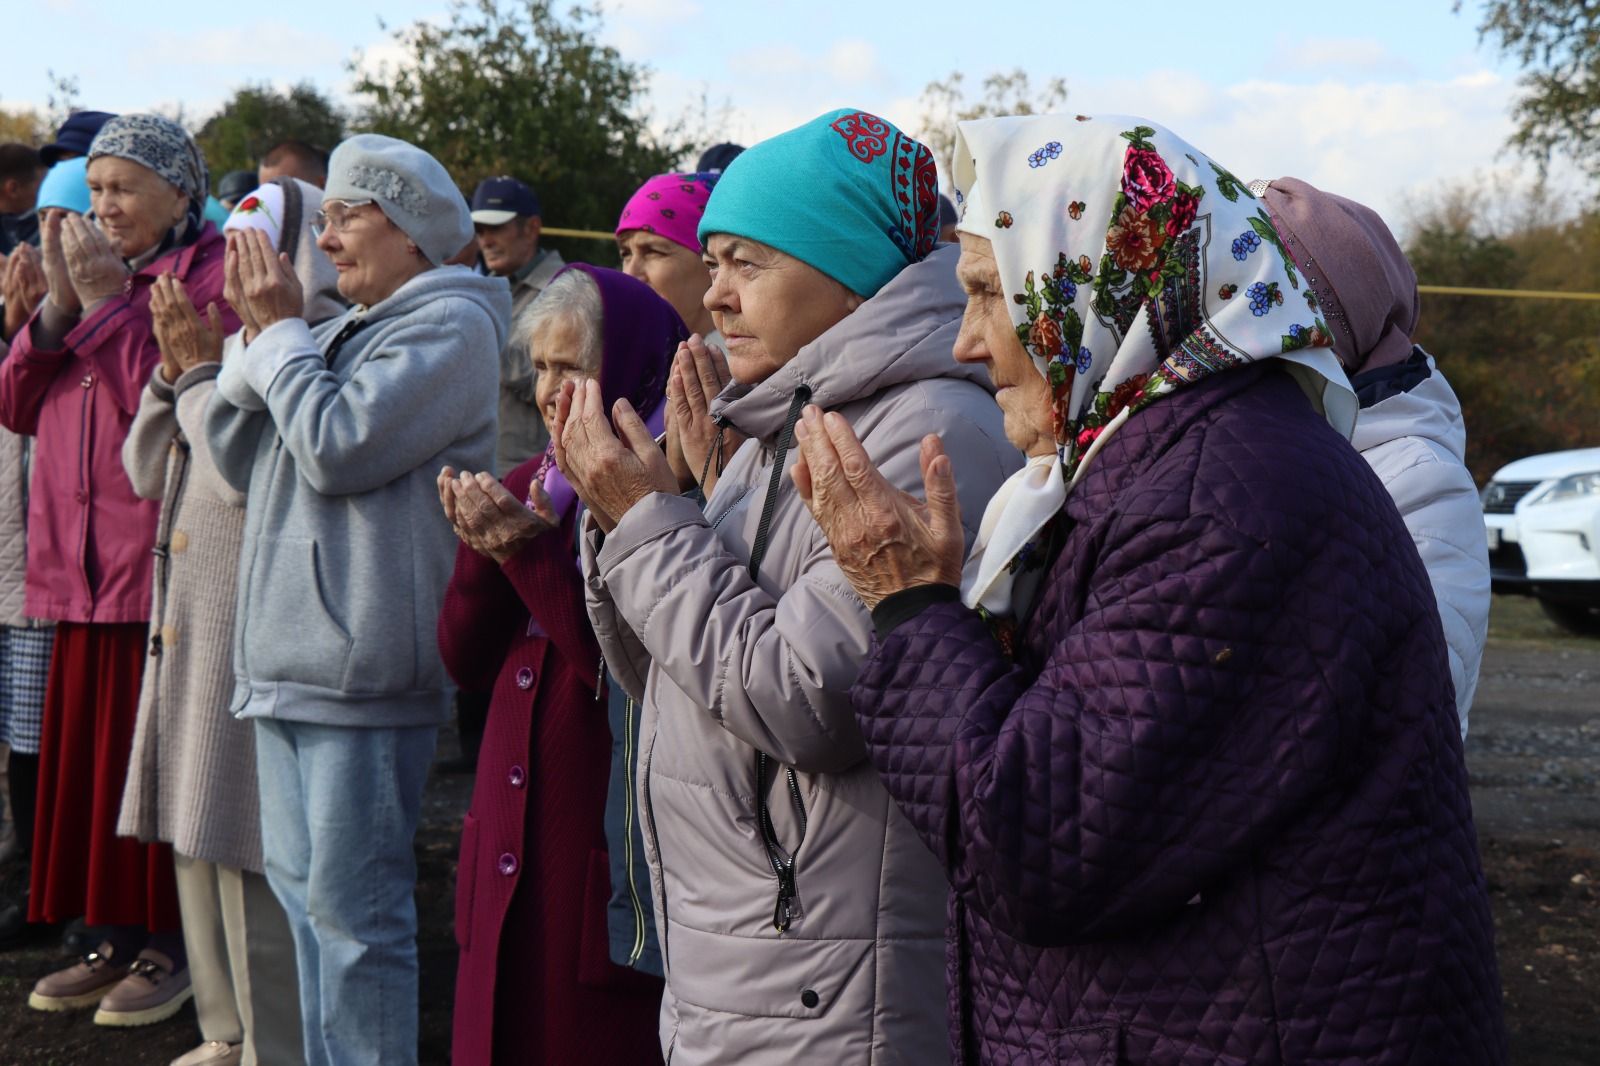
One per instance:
(263, 45)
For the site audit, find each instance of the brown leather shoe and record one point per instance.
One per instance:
(80, 985)
(150, 993)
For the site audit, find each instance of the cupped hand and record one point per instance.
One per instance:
(491, 521)
(267, 283)
(699, 373)
(884, 540)
(23, 285)
(185, 340)
(609, 474)
(53, 255)
(96, 270)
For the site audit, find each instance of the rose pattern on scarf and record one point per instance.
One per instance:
(1135, 240)
(866, 134)
(1054, 331)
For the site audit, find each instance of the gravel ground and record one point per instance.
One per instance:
(1534, 754)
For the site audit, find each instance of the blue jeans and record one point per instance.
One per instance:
(339, 809)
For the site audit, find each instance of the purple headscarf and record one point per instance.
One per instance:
(1362, 280)
(640, 333)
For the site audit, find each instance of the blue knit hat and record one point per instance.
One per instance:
(66, 185)
(847, 193)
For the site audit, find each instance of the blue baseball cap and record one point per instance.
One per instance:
(66, 185)
(499, 200)
(75, 135)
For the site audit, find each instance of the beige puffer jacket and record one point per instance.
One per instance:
(729, 667)
(14, 463)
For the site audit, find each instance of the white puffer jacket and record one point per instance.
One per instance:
(1416, 443)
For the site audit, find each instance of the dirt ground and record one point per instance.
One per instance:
(1534, 753)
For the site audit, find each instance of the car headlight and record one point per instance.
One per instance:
(1576, 486)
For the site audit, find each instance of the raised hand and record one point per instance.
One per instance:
(609, 474)
(24, 285)
(185, 341)
(267, 284)
(94, 267)
(884, 540)
(699, 373)
(53, 256)
(491, 521)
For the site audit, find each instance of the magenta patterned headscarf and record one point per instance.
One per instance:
(670, 205)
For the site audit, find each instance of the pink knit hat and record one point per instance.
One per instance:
(670, 205)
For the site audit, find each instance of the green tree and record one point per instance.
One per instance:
(944, 103)
(515, 88)
(259, 117)
(1557, 42)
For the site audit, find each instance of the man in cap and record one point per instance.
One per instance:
(506, 219)
(20, 174)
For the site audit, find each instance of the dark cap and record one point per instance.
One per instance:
(236, 185)
(75, 135)
(499, 200)
(715, 160)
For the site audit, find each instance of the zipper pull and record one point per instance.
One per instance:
(600, 680)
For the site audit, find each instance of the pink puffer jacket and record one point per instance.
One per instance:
(89, 535)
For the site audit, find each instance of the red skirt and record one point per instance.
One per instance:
(80, 865)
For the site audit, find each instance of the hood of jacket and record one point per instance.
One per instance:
(1429, 409)
(904, 333)
(492, 294)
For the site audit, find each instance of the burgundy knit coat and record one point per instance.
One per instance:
(535, 981)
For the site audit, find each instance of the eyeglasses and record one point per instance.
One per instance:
(336, 215)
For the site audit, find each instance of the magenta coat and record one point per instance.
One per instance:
(89, 535)
(536, 982)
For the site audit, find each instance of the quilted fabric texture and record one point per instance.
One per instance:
(1216, 811)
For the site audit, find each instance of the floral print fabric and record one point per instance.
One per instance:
(1135, 265)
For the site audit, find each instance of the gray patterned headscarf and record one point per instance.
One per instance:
(159, 144)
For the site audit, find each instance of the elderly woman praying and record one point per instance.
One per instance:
(537, 875)
(1180, 730)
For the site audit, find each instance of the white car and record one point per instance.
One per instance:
(1543, 520)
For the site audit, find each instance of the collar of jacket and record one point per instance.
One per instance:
(1154, 430)
(178, 261)
(903, 333)
(1427, 408)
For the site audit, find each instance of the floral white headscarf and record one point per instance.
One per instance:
(1136, 266)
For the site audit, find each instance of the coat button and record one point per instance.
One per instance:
(809, 999)
(180, 541)
(517, 777)
(508, 864)
(525, 678)
(81, 496)
(169, 635)
(88, 381)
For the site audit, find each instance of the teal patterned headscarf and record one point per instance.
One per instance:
(847, 193)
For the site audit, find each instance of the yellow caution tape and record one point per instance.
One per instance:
(586, 234)
(1518, 294)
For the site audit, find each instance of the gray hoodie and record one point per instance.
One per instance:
(346, 552)
(728, 666)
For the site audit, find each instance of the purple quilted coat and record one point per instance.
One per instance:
(1216, 811)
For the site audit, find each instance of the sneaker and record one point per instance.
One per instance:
(212, 1051)
(80, 985)
(149, 993)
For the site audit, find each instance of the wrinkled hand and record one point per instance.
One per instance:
(609, 475)
(185, 341)
(488, 519)
(24, 286)
(96, 270)
(233, 286)
(884, 540)
(54, 261)
(267, 284)
(699, 373)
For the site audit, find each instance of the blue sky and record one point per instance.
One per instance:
(1383, 101)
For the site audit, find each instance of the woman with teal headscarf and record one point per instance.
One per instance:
(799, 919)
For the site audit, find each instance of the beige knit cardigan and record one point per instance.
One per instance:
(192, 774)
